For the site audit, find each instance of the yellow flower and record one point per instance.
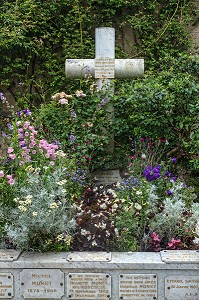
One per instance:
(35, 213)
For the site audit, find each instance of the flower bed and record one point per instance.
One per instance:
(50, 202)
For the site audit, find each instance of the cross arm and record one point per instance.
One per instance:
(124, 68)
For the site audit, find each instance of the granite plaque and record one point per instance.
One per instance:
(42, 283)
(104, 67)
(89, 286)
(182, 287)
(180, 256)
(9, 255)
(89, 256)
(6, 285)
(138, 286)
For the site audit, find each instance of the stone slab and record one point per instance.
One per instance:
(6, 286)
(54, 270)
(88, 286)
(42, 283)
(9, 254)
(138, 286)
(89, 256)
(183, 256)
(107, 177)
(182, 287)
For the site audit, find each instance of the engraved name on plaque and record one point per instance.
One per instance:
(88, 286)
(138, 286)
(6, 285)
(104, 67)
(182, 287)
(42, 284)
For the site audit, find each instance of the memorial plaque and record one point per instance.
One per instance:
(6, 285)
(89, 256)
(9, 255)
(182, 287)
(89, 286)
(42, 283)
(138, 286)
(180, 256)
(104, 67)
(108, 176)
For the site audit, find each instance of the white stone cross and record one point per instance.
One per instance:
(104, 67)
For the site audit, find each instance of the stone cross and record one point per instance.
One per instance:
(105, 67)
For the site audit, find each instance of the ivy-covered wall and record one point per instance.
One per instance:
(37, 36)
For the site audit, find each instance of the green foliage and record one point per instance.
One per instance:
(34, 45)
(162, 106)
(82, 125)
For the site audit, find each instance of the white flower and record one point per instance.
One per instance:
(22, 208)
(137, 206)
(138, 193)
(103, 206)
(35, 213)
(94, 243)
(16, 199)
(143, 156)
(63, 101)
(53, 205)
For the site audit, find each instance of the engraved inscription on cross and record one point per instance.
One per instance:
(104, 67)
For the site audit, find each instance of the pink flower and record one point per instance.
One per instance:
(28, 158)
(26, 125)
(9, 176)
(11, 182)
(51, 163)
(26, 133)
(1, 173)
(173, 244)
(155, 237)
(10, 150)
(18, 123)
(34, 151)
(12, 156)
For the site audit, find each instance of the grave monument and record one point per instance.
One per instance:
(104, 68)
(167, 275)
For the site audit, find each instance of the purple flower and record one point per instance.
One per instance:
(174, 179)
(72, 139)
(169, 192)
(103, 102)
(18, 113)
(73, 114)
(3, 134)
(152, 173)
(2, 97)
(27, 112)
(10, 126)
(174, 160)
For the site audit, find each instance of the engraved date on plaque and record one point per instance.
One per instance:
(89, 286)
(42, 284)
(182, 287)
(138, 286)
(6, 285)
